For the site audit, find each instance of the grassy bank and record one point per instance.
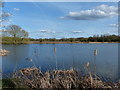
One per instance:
(34, 78)
(63, 42)
(94, 39)
(52, 42)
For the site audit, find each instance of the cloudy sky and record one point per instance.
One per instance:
(64, 20)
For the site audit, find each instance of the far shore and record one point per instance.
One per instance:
(54, 42)
(63, 42)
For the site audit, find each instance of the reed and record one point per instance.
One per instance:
(73, 57)
(87, 66)
(56, 62)
(95, 59)
(32, 78)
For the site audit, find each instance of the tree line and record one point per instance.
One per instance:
(95, 38)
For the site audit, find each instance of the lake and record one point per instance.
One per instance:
(67, 56)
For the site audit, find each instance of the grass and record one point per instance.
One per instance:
(8, 83)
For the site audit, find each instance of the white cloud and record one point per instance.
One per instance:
(5, 14)
(106, 8)
(47, 31)
(99, 12)
(16, 9)
(76, 31)
(113, 25)
(43, 30)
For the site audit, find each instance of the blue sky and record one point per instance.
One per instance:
(64, 20)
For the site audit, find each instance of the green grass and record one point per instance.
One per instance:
(8, 83)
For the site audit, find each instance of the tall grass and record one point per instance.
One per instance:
(73, 61)
(67, 79)
(56, 62)
(95, 59)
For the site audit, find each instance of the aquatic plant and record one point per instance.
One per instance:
(73, 61)
(56, 62)
(95, 54)
(70, 79)
(87, 66)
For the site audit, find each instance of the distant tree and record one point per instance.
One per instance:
(16, 31)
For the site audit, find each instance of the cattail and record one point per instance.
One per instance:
(54, 50)
(87, 65)
(55, 58)
(29, 59)
(95, 52)
(88, 69)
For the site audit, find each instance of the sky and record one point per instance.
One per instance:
(64, 19)
(61, 1)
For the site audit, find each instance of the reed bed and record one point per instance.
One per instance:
(66, 79)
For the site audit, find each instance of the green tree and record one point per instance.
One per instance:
(16, 31)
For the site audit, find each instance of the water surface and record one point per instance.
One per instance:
(67, 55)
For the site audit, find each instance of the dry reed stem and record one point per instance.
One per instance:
(33, 78)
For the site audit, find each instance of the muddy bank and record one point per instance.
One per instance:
(4, 52)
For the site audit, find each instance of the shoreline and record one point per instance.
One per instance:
(48, 42)
(56, 42)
